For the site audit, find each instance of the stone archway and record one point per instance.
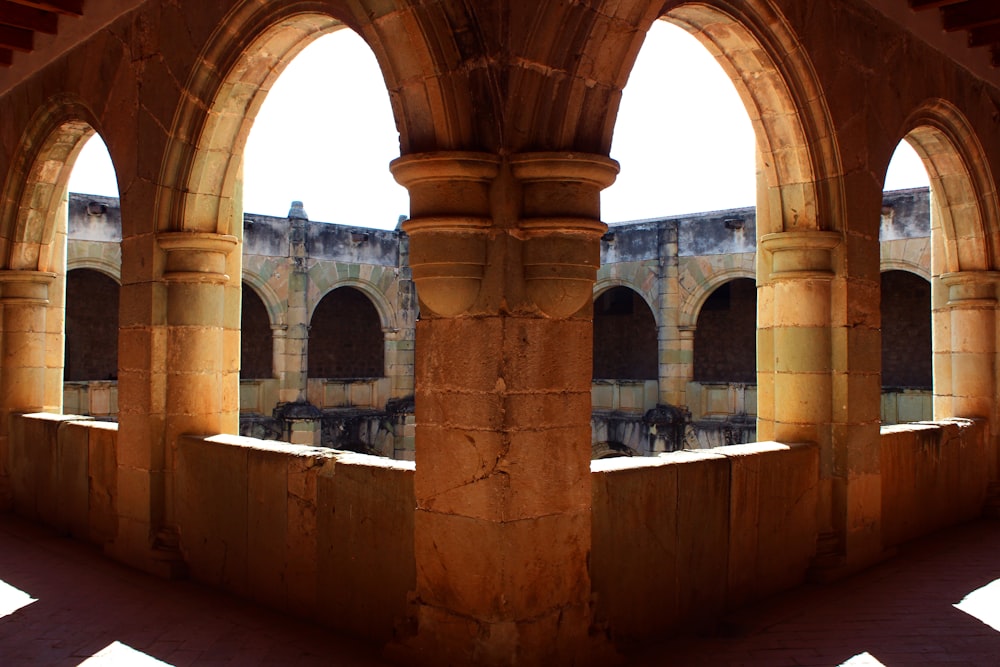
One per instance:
(964, 250)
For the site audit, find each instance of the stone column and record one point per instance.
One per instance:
(24, 296)
(970, 345)
(818, 382)
(504, 256)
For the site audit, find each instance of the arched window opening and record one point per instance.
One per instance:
(625, 345)
(326, 145)
(256, 342)
(725, 348)
(670, 147)
(906, 331)
(345, 337)
(91, 326)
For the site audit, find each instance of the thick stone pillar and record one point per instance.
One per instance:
(504, 256)
(24, 296)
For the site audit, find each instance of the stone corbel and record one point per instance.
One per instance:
(196, 257)
(561, 226)
(798, 255)
(25, 287)
(448, 226)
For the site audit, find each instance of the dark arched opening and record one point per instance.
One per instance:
(906, 331)
(625, 345)
(345, 337)
(725, 346)
(91, 326)
(256, 344)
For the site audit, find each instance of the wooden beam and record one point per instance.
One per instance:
(970, 14)
(6, 57)
(985, 35)
(16, 39)
(66, 7)
(29, 18)
(920, 5)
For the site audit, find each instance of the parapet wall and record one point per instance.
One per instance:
(677, 539)
(680, 538)
(313, 532)
(934, 474)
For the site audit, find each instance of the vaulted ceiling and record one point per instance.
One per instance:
(980, 19)
(21, 19)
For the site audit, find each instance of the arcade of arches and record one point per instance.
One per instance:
(502, 543)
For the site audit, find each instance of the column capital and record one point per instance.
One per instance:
(25, 287)
(560, 225)
(450, 217)
(968, 288)
(801, 254)
(196, 257)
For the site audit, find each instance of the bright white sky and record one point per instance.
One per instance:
(325, 135)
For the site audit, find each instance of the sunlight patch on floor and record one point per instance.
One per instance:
(122, 655)
(862, 660)
(983, 604)
(12, 599)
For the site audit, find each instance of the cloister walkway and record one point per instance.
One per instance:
(936, 602)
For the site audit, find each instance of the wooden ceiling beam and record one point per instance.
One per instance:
(65, 7)
(29, 18)
(16, 39)
(919, 5)
(970, 14)
(984, 36)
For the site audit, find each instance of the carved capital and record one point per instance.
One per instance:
(560, 226)
(971, 288)
(797, 255)
(19, 287)
(196, 257)
(448, 226)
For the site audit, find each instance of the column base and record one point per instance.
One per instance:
(438, 637)
(832, 564)
(161, 558)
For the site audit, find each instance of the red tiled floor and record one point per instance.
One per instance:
(94, 612)
(86, 603)
(900, 613)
